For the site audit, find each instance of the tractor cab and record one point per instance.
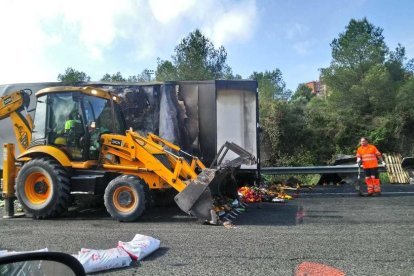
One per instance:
(73, 119)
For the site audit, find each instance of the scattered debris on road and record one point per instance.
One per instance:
(226, 212)
(272, 193)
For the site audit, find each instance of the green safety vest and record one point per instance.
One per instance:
(71, 123)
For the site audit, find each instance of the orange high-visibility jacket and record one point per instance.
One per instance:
(369, 155)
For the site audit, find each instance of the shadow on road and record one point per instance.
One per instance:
(256, 214)
(170, 214)
(272, 214)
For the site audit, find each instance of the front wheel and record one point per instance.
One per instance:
(43, 188)
(125, 198)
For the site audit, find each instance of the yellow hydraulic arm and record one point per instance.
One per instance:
(11, 106)
(194, 159)
(146, 158)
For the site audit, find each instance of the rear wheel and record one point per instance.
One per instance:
(126, 198)
(43, 188)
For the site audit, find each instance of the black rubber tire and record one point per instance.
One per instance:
(57, 201)
(136, 188)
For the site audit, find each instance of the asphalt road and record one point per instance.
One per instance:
(328, 225)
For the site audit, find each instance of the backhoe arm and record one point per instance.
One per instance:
(195, 161)
(159, 140)
(12, 106)
(135, 154)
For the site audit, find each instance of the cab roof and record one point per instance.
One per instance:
(87, 90)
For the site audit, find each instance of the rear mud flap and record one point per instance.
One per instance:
(197, 199)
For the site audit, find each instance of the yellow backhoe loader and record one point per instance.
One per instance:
(78, 143)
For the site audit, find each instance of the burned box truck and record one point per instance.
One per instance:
(199, 116)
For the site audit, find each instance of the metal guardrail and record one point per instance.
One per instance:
(314, 170)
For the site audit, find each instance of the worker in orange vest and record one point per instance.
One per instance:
(368, 155)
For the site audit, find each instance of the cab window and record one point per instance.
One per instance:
(66, 124)
(39, 123)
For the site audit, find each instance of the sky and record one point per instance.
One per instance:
(40, 39)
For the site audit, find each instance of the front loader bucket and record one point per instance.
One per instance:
(207, 196)
(198, 198)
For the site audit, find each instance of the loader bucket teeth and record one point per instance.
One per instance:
(197, 199)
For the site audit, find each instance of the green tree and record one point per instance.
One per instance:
(361, 45)
(228, 75)
(278, 119)
(144, 76)
(303, 92)
(271, 85)
(362, 82)
(166, 71)
(354, 52)
(71, 76)
(370, 93)
(117, 77)
(285, 139)
(195, 58)
(403, 119)
(321, 127)
(399, 68)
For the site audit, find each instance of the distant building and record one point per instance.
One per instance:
(317, 87)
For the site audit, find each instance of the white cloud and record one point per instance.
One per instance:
(303, 47)
(296, 30)
(94, 23)
(30, 28)
(22, 42)
(236, 23)
(165, 11)
(41, 38)
(299, 37)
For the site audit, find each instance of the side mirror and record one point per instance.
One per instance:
(41, 263)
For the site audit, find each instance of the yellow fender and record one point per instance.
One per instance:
(53, 152)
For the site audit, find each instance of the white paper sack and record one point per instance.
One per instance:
(96, 260)
(140, 246)
(7, 253)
